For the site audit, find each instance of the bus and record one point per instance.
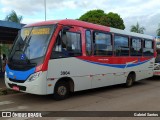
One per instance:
(157, 60)
(58, 57)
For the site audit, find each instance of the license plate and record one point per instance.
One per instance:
(16, 88)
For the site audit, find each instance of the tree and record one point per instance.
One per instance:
(93, 16)
(158, 30)
(101, 18)
(114, 20)
(13, 17)
(136, 28)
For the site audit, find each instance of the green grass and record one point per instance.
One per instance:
(7, 92)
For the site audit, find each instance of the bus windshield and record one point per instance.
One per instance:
(31, 43)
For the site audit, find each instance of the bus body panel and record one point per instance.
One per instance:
(37, 86)
(89, 74)
(19, 75)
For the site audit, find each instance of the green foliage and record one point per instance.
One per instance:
(4, 49)
(93, 16)
(3, 92)
(136, 28)
(6, 91)
(114, 20)
(158, 30)
(13, 17)
(101, 18)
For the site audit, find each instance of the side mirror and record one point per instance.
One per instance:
(66, 28)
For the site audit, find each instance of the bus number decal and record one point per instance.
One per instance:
(65, 72)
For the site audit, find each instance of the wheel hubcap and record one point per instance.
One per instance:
(62, 90)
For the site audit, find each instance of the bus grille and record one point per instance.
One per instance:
(20, 67)
(17, 81)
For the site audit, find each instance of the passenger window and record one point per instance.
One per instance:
(121, 45)
(148, 48)
(136, 47)
(69, 45)
(102, 44)
(88, 43)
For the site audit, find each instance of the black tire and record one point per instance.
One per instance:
(130, 80)
(61, 91)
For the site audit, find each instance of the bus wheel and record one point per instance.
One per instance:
(61, 91)
(130, 80)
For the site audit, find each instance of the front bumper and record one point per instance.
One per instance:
(37, 86)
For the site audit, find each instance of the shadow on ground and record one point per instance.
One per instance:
(154, 78)
(49, 98)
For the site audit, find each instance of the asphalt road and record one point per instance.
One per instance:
(143, 96)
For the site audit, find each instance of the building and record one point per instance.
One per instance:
(8, 33)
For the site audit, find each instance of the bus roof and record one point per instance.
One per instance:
(124, 32)
(70, 22)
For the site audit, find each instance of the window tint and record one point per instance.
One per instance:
(148, 48)
(67, 46)
(102, 44)
(121, 46)
(148, 44)
(136, 47)
(88, 42)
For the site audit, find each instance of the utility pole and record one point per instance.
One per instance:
(45, 9)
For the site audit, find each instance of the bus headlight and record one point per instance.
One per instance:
(34, 76)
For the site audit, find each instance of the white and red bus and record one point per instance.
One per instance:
(62, 56)
(157, 61)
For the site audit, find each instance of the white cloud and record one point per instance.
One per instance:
(30, 20)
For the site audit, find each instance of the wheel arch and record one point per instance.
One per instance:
(67, 80)
(134, 74)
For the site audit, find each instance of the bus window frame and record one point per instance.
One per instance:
(93, 40)
(117, 34)
(148, 48)
(71, 31)
(142, 41)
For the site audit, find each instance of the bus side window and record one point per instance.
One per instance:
(136, 47)
(57, 49)
(88, 43)
(148, 48)
(102, 44)
(121, 45)
(69, 45)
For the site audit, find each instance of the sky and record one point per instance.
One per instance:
(145, 12)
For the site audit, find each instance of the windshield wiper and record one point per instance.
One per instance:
(25, 45)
